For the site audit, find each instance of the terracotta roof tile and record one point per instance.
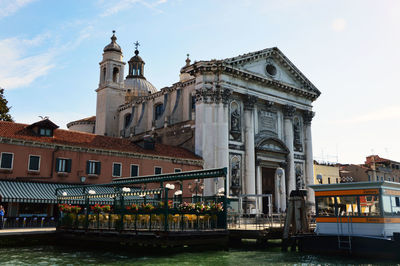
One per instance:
(87, 140)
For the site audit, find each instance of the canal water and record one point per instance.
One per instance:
(51, 255)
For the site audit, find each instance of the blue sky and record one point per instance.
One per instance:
(50, 50)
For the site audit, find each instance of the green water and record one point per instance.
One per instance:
(49, 255)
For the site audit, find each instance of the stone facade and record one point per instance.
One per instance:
(250, 113)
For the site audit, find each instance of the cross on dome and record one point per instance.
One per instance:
(137, 44)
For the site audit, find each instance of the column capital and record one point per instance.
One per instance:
(208, 95)
(288, 111)
(307, 117)
(249, 101)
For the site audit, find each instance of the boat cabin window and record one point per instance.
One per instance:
(347, 206)
(391, 205)
(326, 206)
(363, 205)
(369, 206)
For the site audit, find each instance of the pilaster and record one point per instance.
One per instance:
(288, 113)
(309, 171)
(250, 178)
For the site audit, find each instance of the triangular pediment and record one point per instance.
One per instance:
(272, 64)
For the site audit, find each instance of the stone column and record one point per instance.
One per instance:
(211, 135)
(250, 170)
(259, 186)
(309, 171)
(288, 112)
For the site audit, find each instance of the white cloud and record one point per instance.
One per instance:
(21, 64)
(9, 7)
(339, 24)
(19, 69)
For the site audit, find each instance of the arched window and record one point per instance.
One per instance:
(104, 74)
(127, 120)
(158, 111)
(115, 74)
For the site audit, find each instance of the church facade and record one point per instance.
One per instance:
(251, 113)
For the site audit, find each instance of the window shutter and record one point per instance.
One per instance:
(57, 165)
(68, 165)
(98, 168)
(87, 167)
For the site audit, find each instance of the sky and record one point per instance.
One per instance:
(50, 50)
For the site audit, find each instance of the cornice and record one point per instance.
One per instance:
(70, 124)
(45, 145)
(204, 67)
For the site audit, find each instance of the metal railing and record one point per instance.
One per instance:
(183, 214)
(256, 222)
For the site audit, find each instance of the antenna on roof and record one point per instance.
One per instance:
(43, 117)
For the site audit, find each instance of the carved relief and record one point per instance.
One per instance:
(236, 174)
(307, 117)
(288, 111)
(300, 184)
(235, 125)
(267, 121)
(208, 95)
(297, 142)
(249, 102)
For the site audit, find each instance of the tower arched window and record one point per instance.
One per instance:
(115, 74)
(104, 74)
(127, 120)
(158, 111)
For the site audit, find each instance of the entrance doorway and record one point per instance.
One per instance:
(268, 187)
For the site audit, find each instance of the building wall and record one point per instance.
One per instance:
(78, 168)
(329, 173)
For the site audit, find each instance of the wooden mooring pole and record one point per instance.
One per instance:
(296, 219)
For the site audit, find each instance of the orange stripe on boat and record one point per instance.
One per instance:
(347, 192)
(371, 220)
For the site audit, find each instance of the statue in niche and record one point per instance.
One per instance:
(299, 177)
(298, 146)
(235, 177)
(235, 125)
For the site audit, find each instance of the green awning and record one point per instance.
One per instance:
(40, 192)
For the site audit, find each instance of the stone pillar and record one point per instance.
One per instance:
(250, 170)
(259, 186)
(211, 135)
(309, 171)
(288, 112)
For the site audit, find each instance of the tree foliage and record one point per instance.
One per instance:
(4, 109)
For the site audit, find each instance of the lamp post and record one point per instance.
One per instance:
(197, 187)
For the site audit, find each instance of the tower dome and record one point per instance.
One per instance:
(135, 82)
(113, 45)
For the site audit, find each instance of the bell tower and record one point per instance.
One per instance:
(111, 92)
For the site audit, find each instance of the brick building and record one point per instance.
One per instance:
(375, 168)
(43, 153)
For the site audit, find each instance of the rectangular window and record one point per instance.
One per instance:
(117, 169)
(6, 160)
(177, 170)
(347, 205)
(329, 180)
(193, 103)
(369, 205)
(93, 167)
(337, 180)
(134, 170)
(45, 132)
(325, 206)
(157, 170)
(34, 163)
(63, 165)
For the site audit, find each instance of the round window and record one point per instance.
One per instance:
(271, 69)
